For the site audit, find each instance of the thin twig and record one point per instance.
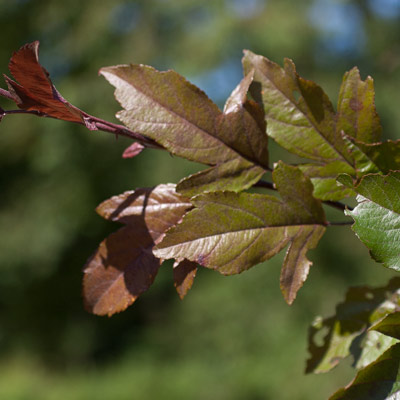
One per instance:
(338, 205)
(341, 223)
(264, 184)
(33, 112)
(100, 124)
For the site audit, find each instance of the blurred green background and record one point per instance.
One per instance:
(232, 337)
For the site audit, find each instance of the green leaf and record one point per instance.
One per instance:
(323, 177)
(357, 116)
(390, 325)
(364, 164)
(179, 116)
(334, 338)
(373, 345)
(232, 232)
(385, 155)
(123, 266)
(377, 216)
(379, 380)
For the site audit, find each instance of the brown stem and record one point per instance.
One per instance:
(265, 184)
(341, 223)
(99, 123)
(338, 205)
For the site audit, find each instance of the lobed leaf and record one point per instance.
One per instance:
(301, 119)
(123, 267)
(232, 232)
(352, 329)
(357, 115)
(305, 126)
(167, 108)
(377, 215)
(379, 380)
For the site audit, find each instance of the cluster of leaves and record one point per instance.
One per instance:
(212, 219)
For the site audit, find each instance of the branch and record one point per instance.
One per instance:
(341, 223)
(98, 123)
(264, 184)
(338, 205)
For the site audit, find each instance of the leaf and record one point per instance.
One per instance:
(123, 267)
(334, 338)
(232, 232)
(309, 127)
(179, 116)
(234, 175)
(35, 91)
(357, 115)
(306, 126)
(373, 345)
(377, 215)
(184, 274)
(390, 325)
(133, 150)
(323, 178)
(379, 380)
(385, 155)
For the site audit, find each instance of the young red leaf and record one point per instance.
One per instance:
(187, 123)
(184, 274)
(35, 93)
(133, 150)
(232, 232)
(34, 90)
(123, 267)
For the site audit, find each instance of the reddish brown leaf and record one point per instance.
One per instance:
(34, 90)
(123, 266)
(133, 150)
(184, 274)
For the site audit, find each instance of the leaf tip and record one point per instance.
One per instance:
(346, 180)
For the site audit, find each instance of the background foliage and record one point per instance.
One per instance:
(232, 337)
